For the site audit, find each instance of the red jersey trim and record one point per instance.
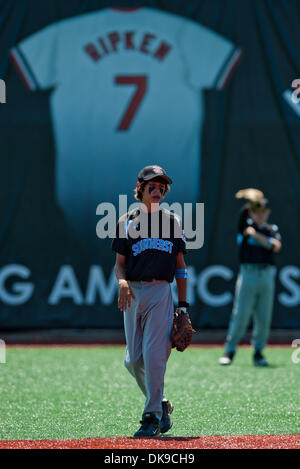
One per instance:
(229, 69)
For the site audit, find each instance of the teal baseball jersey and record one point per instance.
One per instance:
(127, 89)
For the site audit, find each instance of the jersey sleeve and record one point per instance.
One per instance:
(275, 232)
(119, 243)
(244, 222)
(36, 58)
(211, 59)
(277, 235)
(181, 246)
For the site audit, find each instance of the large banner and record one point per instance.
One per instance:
(92, 93)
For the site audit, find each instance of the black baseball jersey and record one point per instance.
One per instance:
(149, 257)
(251, 251)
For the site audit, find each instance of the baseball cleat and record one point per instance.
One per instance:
(227, 358)
(259, 360)
(149, 428)
(166, 422)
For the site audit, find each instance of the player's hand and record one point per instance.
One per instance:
(125, 295)
(249, 231)
(276, 245)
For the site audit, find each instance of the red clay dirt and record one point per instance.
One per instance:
(203, 442)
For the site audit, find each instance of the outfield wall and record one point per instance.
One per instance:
(68, 143)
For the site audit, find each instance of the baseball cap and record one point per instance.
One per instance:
(152, 172)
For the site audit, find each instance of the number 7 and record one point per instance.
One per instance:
(140, 81)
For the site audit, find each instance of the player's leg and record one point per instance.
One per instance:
(157, 322)
(264, 308)
(245, 296)
(134, 340)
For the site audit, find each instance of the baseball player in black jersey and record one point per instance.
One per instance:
(258, 242)
(146, 264)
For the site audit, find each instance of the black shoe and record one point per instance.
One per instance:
(150, 426)
(166, 422)
(259, 360)
(227, 358)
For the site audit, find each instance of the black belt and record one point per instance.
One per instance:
(140, 282)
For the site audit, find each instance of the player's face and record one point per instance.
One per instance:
(153, 192)
(260, 216)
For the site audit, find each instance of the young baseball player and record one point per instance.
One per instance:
(255, 286)
(146, 264)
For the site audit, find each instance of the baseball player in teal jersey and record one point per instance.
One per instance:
(145, 267)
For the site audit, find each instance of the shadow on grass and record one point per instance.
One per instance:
(255, 367)
(270, 366)
(166, 438)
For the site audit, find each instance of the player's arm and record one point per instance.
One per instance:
(125, 292)
(181, 278)
(267, 242)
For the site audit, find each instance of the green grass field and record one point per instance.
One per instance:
(80, 392)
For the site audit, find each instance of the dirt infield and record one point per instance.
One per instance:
(170, 443)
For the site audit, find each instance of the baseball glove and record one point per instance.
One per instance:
(182, 332)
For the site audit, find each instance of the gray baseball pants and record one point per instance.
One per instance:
(254, 296)
(148, 324)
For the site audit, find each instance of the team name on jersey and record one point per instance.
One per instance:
(117, 41)
(152, 243)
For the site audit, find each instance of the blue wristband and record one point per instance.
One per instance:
(181, 273)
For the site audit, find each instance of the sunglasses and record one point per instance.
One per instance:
(257, 207)
(260, 210)
(153, 187)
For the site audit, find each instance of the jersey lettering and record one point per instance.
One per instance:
(117, 41)
(152, 243)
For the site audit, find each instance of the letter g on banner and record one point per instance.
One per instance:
(20, 292)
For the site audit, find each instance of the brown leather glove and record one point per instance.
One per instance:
(182, 332)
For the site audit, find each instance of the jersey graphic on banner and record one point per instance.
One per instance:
(127, 90)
